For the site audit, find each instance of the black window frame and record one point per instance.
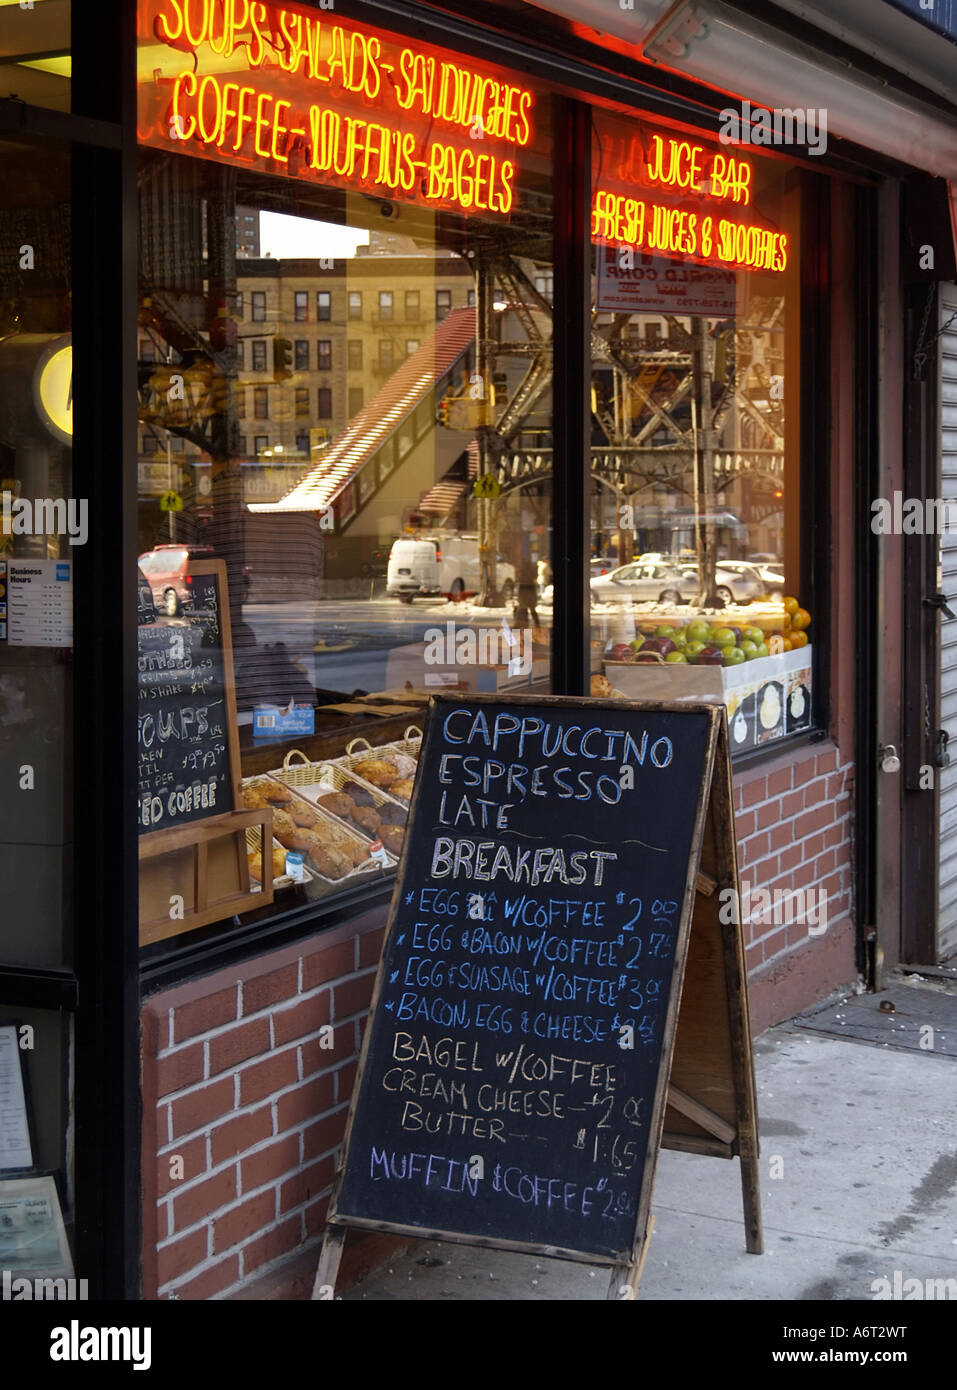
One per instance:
(301, 355)
(300, 306)
(257, 306)
(323, 306)
(259, 355)
(323, 351)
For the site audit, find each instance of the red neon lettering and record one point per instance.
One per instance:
(183, 131)
(196, 38)
(731, 178)
(278, 129)
(260, 123)
(161, 27)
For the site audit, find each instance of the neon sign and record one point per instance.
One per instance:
(265, 85)
(686, 227)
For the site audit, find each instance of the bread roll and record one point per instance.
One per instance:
(392, 836)
(330, 862)
(366, 819)
(338, 803)
(379, 771)
(360, 795)
(401, 788)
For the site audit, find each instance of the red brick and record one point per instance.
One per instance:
(264, 990)
(345, 1081)
(201, 1015)
(764, 872)
(301, 1019)
(328, 965)
(744, 824)
(753, 956)
(193, 1154)
(756, 847)
(809, 821)
(243, 1221)
(203, 1199)
(316, 1217)
(212, 1281)
(812, 846)
(834, 834)
(803, 772)
(264, 1078)
(827, 760)
(754, 791)
(789, 858)
(177, 1259)
(781, 835)
(270, 1163)
(779, 781)
(242, 1132)
(315, 1057)
(768, 814)
(353, 996)
(161, 1017)
(370, 947)
(238, 1045)
(823, 864)
(269, 1246)
(791, 804)
(815, 794)
(307, 1102)
(180, 1069)
(201, 1107)
(835, 784)
(325, 1135)
(307, 1184)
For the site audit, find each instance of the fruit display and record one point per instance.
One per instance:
(780, 627)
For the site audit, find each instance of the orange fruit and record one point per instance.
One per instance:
(798, 639)
(791, 605)
(788, 644)
(801, 619)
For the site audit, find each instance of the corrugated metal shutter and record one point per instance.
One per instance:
(947, 874)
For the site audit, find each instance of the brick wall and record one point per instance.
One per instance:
(244, 1107)
(240, 1094)
(795, 831)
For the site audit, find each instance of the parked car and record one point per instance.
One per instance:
(771, 582)
(166, 568)
(669, 583)
(424, 566)
(145, 608)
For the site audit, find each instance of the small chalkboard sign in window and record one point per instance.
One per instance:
(193, 864)
(514, 1079)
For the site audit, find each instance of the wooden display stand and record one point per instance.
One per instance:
(704, 1094)
(198, 872)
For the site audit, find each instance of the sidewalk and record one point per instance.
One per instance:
(862, 1133)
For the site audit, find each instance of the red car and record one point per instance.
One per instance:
(167, 572)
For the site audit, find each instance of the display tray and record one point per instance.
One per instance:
(315, 780)
(403, 753)
(336, 835)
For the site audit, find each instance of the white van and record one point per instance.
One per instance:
(432, 565)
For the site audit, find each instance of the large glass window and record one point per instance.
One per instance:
(383, 536)
(696, 451)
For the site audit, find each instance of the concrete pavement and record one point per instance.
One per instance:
(858, 1173)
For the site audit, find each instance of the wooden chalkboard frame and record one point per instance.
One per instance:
(695, 1125)
(197, 835)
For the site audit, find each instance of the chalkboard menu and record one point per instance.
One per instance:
(510, 1087)
(186, 739)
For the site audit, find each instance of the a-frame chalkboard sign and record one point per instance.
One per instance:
(558, 995)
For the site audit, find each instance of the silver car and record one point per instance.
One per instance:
(665, 583)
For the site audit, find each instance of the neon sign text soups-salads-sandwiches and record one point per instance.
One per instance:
(249, 83)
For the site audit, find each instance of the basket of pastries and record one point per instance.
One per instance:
(329, 849)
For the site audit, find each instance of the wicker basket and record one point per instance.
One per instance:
(254, 846)
(312, 780)
(360, 748)
(369, 866)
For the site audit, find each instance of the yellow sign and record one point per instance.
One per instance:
(487, 485)
(171, 502)
(53, 389)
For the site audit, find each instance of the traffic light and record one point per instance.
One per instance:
(281, 359)
(442, 413)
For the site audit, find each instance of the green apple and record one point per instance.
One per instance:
(676, 656)
(723, 637)
(692, 649)
(665, 630)
(733, 656)
(750, 649)
(762, 649)
(754, 634)
(698, 631)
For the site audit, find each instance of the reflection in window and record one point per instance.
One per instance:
(385, 306)
(301, 306)
(443, 303)
(259, 354)
(323, 306)
(302, 355)
(412, 306)
(355, 304)
(324, 363)
(259, 306)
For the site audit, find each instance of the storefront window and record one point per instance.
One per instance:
(695, 578)
(309, 595)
